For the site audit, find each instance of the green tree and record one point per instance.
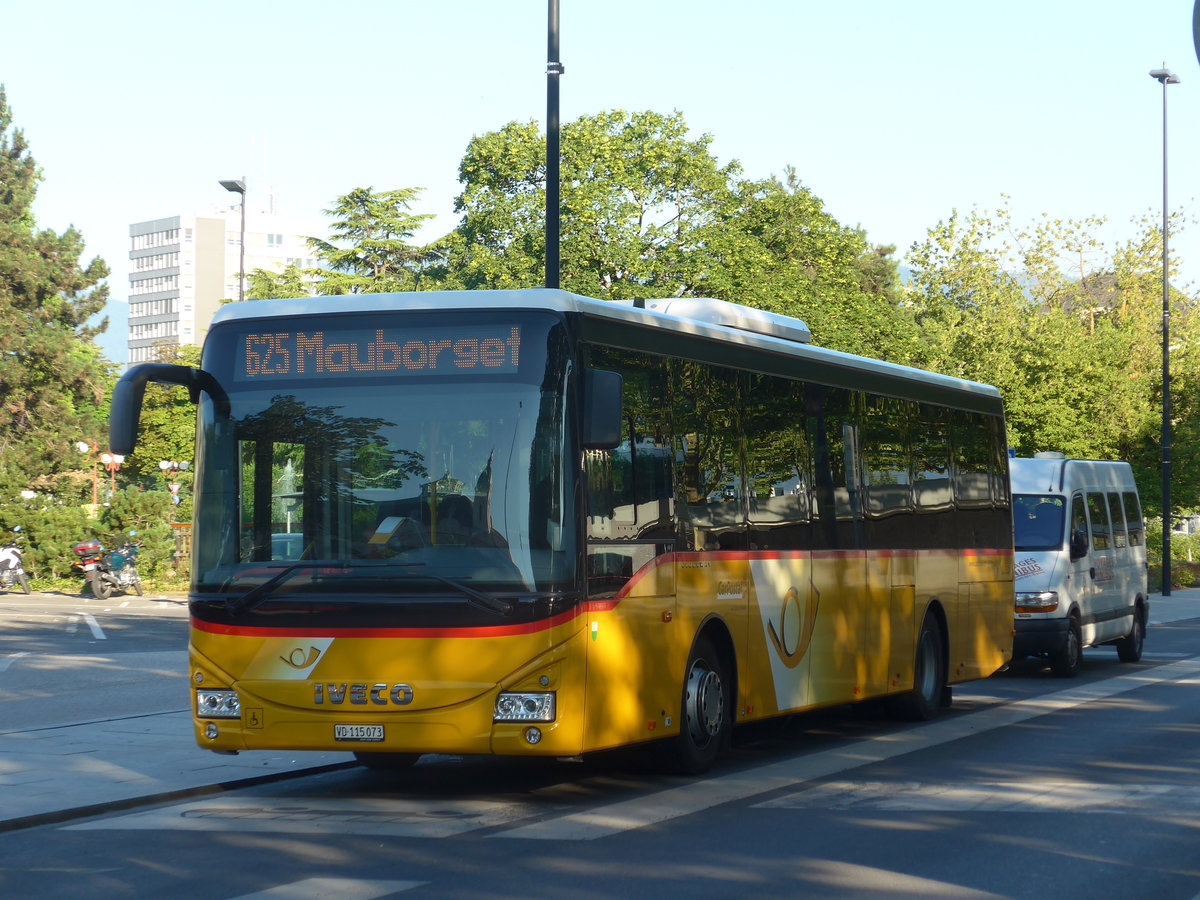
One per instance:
(370, 250)
(638, 196)
(780, 250)
(54, 380)
(1067, 329)
(648, 211)
(293, 281)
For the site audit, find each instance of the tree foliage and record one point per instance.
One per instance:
(370, 250)
(1068, 330)
(54, 380)
(648, 211)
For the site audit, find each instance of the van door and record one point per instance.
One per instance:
(1079, 541)
(1125, 582)
(1106, 598)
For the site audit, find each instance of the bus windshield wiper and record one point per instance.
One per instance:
(486, 601)
(257, 594)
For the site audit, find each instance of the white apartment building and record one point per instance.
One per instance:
(182, 267)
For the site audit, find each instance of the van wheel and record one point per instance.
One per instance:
(925, 700)
(1129, 648)
(704, 721)
(1066, 662)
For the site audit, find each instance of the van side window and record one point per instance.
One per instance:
(1098, 513)
(1118, 520)
(1079, 524)
(1133, 516)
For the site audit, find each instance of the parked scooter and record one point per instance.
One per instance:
(108, 572)
(12, 567)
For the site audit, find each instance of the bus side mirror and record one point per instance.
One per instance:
(129, 392)
(1079, 544)
(601, 409)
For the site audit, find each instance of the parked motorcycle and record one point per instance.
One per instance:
(12, 567)
(111, 571)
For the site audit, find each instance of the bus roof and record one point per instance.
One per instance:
(713, 321)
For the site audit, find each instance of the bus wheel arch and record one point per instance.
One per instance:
(707, 704)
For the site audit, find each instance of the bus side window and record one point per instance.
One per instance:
(930, 441)
(1133, 518)
(777, 464)
(630, 493)
(1118, 520)
(888, 481)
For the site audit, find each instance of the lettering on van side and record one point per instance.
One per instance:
(361, 693)
(1026, 567)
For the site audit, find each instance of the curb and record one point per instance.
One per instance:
(58, 816)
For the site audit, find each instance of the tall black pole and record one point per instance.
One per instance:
(242, 247)
(1165, 77)
(554, 68)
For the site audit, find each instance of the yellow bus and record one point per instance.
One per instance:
(528, 522)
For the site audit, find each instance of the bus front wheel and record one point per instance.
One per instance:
(706, 709)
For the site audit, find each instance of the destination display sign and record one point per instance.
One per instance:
(342, 353)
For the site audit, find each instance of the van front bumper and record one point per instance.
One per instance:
(1038, 637)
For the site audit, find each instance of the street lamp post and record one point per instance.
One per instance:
(238, 186)
(170, 468)
(1165, 77)
(112, 462)
(85, 447)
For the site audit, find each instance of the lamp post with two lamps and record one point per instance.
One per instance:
(112, 463)
(1164, 77)
(170, 468)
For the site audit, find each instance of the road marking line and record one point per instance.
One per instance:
(11, 658)
(97, 632)
(72, 624)
(323, 888)
(701, 795)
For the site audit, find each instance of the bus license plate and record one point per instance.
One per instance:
(358, 732)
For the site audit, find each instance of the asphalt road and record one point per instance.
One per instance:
(1030, 787)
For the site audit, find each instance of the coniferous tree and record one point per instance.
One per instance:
(54, 380)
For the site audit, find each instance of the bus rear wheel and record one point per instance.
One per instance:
(924, 701)
(704, 722)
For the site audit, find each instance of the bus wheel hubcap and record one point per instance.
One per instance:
(705, 705)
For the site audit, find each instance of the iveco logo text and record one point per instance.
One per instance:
(362, 694)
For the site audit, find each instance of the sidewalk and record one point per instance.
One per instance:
(52, 774)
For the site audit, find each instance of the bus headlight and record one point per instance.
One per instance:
(1037, 601)
(534, 706)
(218, 705)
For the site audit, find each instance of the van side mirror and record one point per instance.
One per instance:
(601, 409)
(1079, 544)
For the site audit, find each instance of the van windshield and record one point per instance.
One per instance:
(1038, 522)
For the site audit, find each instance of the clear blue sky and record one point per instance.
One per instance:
(894, 114)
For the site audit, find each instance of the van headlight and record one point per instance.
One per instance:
(1037, 601)
(530, 706)
(218, 705)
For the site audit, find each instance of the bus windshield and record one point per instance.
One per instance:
(1037, 522)
(442, 482)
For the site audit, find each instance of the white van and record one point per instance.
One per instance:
(1080, 559)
